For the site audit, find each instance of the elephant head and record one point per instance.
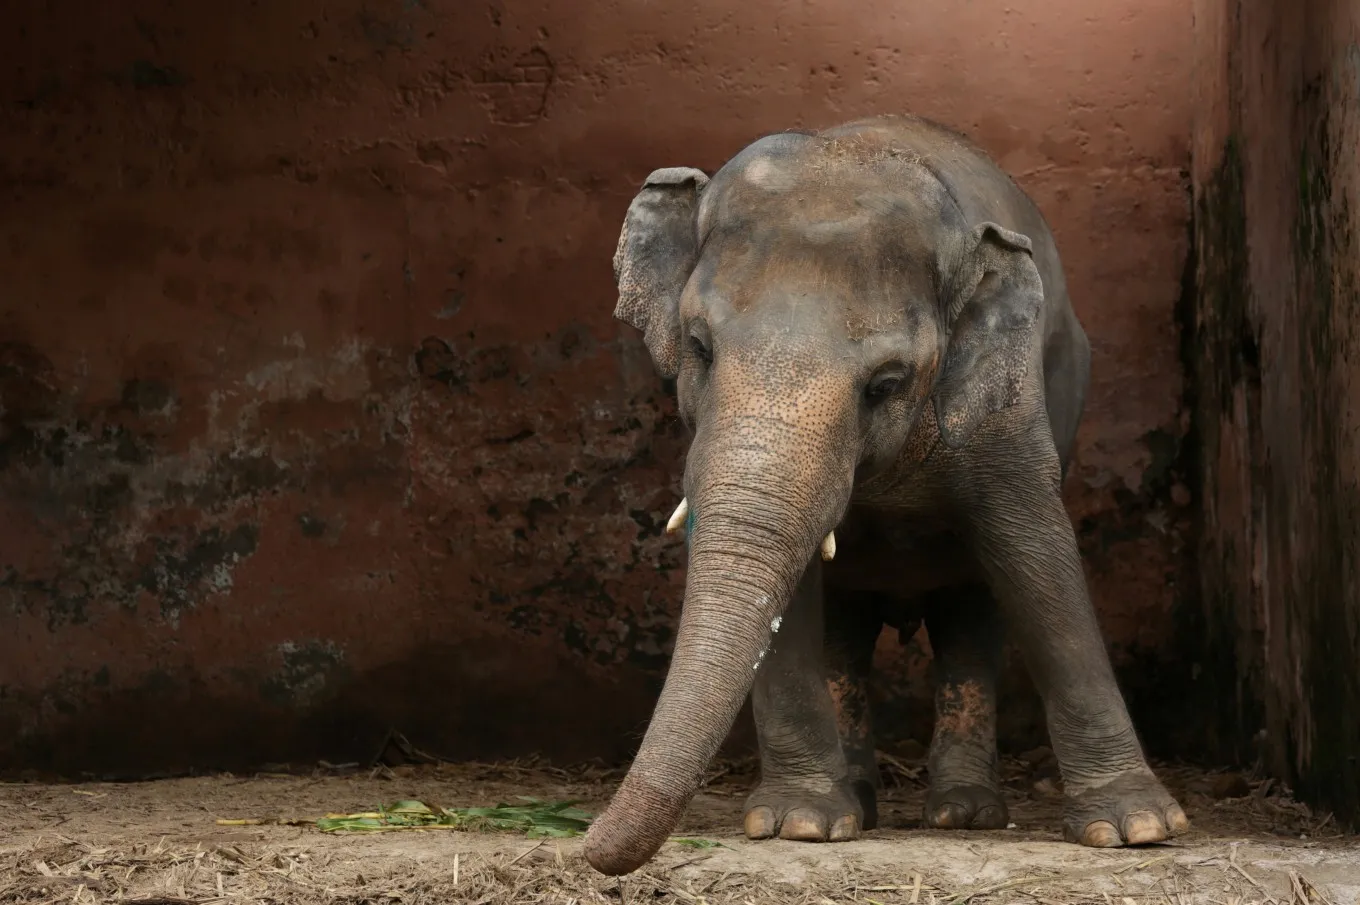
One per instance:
(814, 300)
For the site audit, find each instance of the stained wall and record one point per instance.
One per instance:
(315, 420)
(1276, 389)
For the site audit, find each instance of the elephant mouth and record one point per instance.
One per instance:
(680, 520)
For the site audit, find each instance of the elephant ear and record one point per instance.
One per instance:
(992, 319)
(657, 251)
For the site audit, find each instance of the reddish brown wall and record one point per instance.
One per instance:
(1277, 386)
(315, 420)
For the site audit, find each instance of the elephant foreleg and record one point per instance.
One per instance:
(1024, 539)
(805, 791)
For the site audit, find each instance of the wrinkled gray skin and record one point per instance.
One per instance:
(870, 332)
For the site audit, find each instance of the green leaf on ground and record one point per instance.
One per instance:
(698, 843)
(534, 818)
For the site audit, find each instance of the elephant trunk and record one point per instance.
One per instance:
(755, 526)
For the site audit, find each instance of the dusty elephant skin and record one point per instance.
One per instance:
(870, 335)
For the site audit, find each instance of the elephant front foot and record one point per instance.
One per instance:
(965, 807)
(805, 814)
(1133, 808)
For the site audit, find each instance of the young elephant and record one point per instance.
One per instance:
(875, 351)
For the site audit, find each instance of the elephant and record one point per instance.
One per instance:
(874, 351)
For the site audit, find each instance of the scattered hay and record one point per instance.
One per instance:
(164, 844)
(73, 873)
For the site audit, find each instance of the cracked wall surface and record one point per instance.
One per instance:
(313, 418)
(1275, 388)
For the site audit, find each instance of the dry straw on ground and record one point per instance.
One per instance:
(161, 843)
(73, 873)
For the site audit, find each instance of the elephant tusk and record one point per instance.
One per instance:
(678, 517)
(829, 546)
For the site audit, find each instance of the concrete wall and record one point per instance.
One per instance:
(315, 421)
(1277, 387)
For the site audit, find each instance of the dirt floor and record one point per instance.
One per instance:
(161, 842)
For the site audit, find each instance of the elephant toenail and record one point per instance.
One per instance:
(845, 829)
(1101, 834)
(1142, 827)
(803, 826)
(1176, 821)
(990, 818)
(950, 817)
(759, 823)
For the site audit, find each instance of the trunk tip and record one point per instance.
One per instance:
(612, 856)
(634, 826)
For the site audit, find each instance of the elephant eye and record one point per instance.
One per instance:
(884, 385)
(700, 350)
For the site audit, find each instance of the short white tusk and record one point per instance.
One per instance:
(829, 546)
(678, 517)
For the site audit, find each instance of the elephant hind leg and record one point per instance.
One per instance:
(853, 623)
(965, 632)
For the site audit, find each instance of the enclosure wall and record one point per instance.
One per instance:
(315, 420)
(1277, 387)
